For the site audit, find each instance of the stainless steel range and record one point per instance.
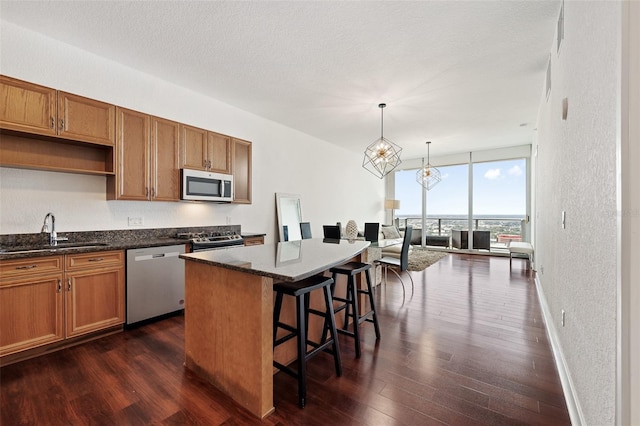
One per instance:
(213, 240)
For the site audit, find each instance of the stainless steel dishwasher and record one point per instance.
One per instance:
(155, 282)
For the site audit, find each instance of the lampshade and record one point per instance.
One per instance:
(382, 156)
(391, 204)
(428, 176)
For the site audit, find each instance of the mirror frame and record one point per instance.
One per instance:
(288, 206)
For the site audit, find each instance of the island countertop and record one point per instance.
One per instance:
(285, 261)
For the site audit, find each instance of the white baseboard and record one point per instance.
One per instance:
(571, 398)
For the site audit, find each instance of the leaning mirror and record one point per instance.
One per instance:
(289, 216)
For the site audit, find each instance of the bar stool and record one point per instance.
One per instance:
(350, 301)
(301, 291)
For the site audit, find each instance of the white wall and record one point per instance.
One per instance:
(576, 173)
(332, 184)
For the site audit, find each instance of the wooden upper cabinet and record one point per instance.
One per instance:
(193, 148)
(147, 152)
(85, 119)
(165, 160)
(131, 181)
(204, 150)
(219, 153)
(241, 157)
(32, 109)
(27, 107)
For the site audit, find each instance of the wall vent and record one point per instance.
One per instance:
(560, 33)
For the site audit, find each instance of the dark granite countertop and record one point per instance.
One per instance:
(252, 234)
(287, 261)
(21, 252)
(18, 246)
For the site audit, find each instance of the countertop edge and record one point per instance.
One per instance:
(243, 267)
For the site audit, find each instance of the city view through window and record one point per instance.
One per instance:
(499, 200)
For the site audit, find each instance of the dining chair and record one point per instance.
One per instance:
(371, 231)
(305, 230)
(331, 232)
(399, 265)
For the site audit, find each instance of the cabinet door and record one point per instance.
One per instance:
(219, 152)
(85, 119)
(193, 148)
(27, 107)
(165, 158)
(94, 300)
(31, 312)
(131, 181)
(241, 154)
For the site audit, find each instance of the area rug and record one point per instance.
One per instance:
(420, 259)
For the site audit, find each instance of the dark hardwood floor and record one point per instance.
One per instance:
(469, 347)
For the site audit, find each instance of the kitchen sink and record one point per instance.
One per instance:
(60, 246)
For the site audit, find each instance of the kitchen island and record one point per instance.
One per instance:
(229, 311)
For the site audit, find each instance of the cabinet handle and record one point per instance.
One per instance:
(68, 284)
(146, 191)
(53, 122)
(96, 259)
(27, 267)
(59, 286)
(204, 163)
(62, 124)
(209, 164)
(153, 192)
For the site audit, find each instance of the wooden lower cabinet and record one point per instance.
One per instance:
(40, 305)
(94, 300)
(31, 312)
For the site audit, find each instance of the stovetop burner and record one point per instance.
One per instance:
(208, 240)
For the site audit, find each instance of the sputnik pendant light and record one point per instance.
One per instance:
(382, 156)
(428, 176)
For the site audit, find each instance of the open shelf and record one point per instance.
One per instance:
(48, 153)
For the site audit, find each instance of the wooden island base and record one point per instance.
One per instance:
(236, 314)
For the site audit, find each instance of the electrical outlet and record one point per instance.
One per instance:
(136, 221)
(563, 317)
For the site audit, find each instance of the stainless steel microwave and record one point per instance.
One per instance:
(198, 185)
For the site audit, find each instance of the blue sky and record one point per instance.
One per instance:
(499, 189)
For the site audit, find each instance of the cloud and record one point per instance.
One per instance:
(493, 174)
(515, 171)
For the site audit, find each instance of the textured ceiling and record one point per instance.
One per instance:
(467, 75)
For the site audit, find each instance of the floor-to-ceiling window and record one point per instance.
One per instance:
(447, 202)
(499, 199)
(489, 197)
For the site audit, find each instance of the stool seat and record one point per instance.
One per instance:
(297, 288)
(351, 268)
(301, 291)
(349, 303)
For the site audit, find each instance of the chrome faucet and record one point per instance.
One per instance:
(53, 237)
